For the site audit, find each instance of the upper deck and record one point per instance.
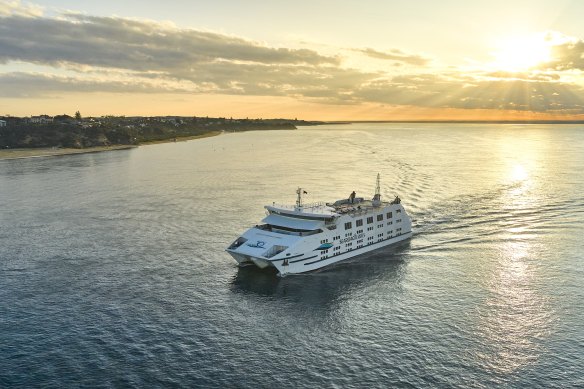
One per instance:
(315, 211)
(329, 211)
(360, 206)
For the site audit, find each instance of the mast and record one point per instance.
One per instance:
(299, 199)
(377, 197)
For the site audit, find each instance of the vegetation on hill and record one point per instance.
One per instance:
(78, 132)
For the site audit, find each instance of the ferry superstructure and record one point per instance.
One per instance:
(306, 237)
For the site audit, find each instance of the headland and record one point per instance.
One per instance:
(42, 136)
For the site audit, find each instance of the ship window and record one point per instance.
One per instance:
(398, 211)
(359, 222)
(348, 225)
(380, 217)
(296, 216)
(370, 220)
(389, 215)
(241, 240)
(291, 231)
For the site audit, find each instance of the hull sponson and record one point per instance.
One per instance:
(312, 264)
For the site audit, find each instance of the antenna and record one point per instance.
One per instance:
(299, 199)
(377, 197)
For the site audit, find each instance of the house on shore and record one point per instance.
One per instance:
(42, 119)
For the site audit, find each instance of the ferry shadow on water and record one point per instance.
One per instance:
(388, 265)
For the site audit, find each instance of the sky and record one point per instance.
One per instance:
(313, 60)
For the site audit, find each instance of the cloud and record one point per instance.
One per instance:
(475, 93)
(15, 8)
(299, 82)
(395, 55)
(24, 85)
(211, 62)
(421, 90)
(567, 56)
(526, 76)
(132, 44)
(110, 54)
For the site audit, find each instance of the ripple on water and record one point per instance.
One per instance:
(113, 271)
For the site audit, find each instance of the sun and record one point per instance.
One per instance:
(522, 53)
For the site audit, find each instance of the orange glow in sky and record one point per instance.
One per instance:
(375, 61)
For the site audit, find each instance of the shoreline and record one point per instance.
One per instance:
(11, 154)
(183, 138)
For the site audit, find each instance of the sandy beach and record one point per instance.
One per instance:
(183, 139)
(54, 151)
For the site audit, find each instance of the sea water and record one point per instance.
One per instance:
(113, 271)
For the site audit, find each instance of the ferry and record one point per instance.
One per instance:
(305, 237)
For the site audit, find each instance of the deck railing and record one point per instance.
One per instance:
(318, 207)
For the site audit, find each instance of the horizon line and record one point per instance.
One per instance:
(421, 121)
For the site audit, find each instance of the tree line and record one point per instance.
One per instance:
(78, 132)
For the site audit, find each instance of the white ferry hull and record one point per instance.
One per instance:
(311, 264)
(244, 260)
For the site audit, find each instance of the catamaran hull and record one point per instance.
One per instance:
(312, 261)
(246, 260)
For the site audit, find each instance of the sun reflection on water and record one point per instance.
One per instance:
(519, 173)
(515, 317)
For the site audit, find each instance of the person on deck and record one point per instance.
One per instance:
(352, 197)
